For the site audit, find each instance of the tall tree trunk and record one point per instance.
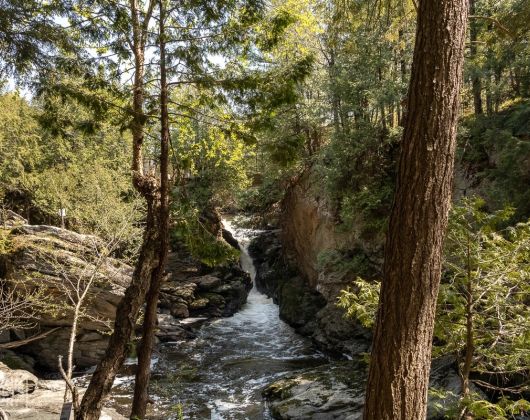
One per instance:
(134, 297)
(401, 354)
(403, 71)
(335, 99)
(476, 82)
(143, 372)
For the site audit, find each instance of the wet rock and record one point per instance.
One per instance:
(171, 329)
(336, 334)
(336, 391)
(229, 238)
(213, 293)
(298, 304)
(207, 282)
(179, 310)
(333, 391)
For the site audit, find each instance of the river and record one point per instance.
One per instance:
(220, 374)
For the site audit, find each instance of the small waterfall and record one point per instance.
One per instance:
(221, 373)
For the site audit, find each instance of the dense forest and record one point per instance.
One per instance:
(247, 209)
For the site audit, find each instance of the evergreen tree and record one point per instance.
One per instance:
(401, 353)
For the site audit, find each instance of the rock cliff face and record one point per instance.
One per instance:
(51, 261)
(291, 268)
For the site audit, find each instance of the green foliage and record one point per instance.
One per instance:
(211, 159)
(20, 139)
(491, 261)
(482, 409)
(178, 410)
(496, 150)
(264, 196)
(29, 32)
(6, 245)
(494, 264)
(189, 230)
(357, 174)
(344, 262)
(360, 304)
(444, 403)
(44, 169)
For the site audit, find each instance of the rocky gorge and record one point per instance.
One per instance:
(292, 269)
(42, 270)
(220, 367)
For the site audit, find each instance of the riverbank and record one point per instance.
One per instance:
(26, 397)
(221, 373)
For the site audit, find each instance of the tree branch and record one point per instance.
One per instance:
(496, 22)
(19, 343)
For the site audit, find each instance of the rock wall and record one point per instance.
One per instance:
(290, 269)
(50, 260)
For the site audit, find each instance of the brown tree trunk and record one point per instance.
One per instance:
(403, 70)
(134, 297)
(401, 354)
(476, 82)
(143, 372)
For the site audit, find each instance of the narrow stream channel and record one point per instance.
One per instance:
(221, 373)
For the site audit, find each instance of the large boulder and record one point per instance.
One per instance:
(49, 263)
(16, 381)
(331, 391)
(336, 391)
(25, 397)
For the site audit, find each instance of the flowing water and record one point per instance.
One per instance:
(221, 373)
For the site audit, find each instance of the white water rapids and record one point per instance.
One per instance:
(221, 373)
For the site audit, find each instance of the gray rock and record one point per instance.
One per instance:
(10, 219)
(16, 381)
(44, 403)
(17, 361)
(207, 282)
(336, 391)
(179, 310)
(44, 257)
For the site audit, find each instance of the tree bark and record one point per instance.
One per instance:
(143, 372)
(401, 354)
(476, 82)
(134, 297)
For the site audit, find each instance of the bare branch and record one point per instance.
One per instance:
(18, 343)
